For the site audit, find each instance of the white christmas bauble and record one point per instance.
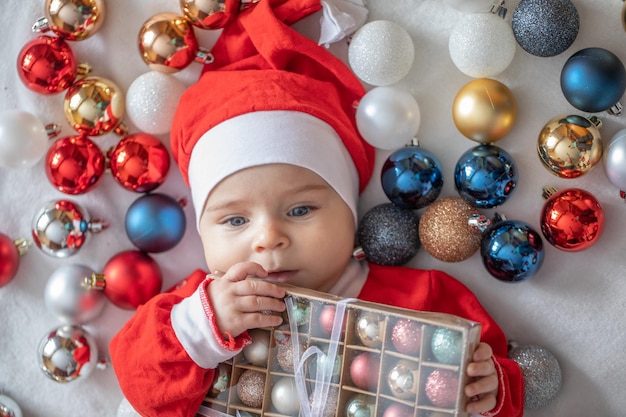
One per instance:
(23, 139)
(470, 6)
(151, 101)
(388, 117)
(8, 406)
(285, 396)
(482, 45)
(126, 410)
(381, 53)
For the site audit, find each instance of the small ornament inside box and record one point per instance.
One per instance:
(350, 358)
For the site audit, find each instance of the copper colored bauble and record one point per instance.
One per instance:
(94, 106)
(484, 110)
(445, 231)
(167, 43)
(441, 387)
(47, 65)
(74, 165)
(140, 162)
(570, 146)
(74, 20)
(10, 251)
(251, 388)
(364, 370)
(129, 279)
(572, 219)
(210, 14)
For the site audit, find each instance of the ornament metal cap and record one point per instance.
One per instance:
(95, 282)
(22, 245)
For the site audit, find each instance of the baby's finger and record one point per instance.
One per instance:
(256, 303)
(482, 353)
(479, 369)
(488, 384)
(260, 320)
(243, 270)
(260, 288)
(481, 404)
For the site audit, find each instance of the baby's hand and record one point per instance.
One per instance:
(240, 304)
(483, 390)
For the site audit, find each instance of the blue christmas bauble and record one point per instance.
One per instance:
(593, 80)
(412, 177)
(512, 251)
(155, 223)
(485, 176)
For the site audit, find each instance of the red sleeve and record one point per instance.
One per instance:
(437, 291)
(154, 371)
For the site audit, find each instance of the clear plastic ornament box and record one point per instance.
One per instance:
(351, 343)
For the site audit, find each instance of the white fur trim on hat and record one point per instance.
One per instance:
(269, 137)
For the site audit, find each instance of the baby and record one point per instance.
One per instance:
(267, 142)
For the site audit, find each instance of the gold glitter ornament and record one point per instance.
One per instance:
(484, 110)
(445, 231)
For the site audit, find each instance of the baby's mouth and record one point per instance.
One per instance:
(281, 276)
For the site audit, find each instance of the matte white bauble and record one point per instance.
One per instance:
(388, 117)
(482, 45)
(23, 139)
(126, 410)
(151, 101)
(470, 6)
(381, 53)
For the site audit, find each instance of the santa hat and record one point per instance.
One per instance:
(271, 95)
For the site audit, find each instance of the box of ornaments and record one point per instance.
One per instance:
(335, 356)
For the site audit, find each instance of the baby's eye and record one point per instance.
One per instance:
(236, 221)
(300, 211)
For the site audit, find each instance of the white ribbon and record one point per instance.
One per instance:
(341, 18)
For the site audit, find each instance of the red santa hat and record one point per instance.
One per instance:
(271, 95)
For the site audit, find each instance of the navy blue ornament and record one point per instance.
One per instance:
(485, 176)
(593, 80)
(412, 178)
(512, 251)
(388, 235)
(155, 222)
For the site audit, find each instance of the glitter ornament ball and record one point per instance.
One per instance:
(398, 410)
(412, 177)
(445, 231)
(23, 139)
(481, 45)
(251, 388)
(9, 408)
(285, 397)
(447, 345)
(512, 251)
(484, 110)
(441, 387)
(570, 146)
(329, 408)
(470, 6)
(545, 28)
(381, 53)
(364, 371)
(614, 160)
(75, 165)
(572, 219)
(68, 299)
(406, 337)
(485, 176)
(155, 223)
(73, 20)
(257, 352)
(593, 80)
(67, 353)
(151, 100)
(389, 235)
(94, 106)
(388, 117)
(47, 65)
(542, 374)
(139, 162)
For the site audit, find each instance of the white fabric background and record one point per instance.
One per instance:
(573, 306)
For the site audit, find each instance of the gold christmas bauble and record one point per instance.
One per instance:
(484, 110)
(74, 20)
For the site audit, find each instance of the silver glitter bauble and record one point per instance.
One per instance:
(542, 374)
(389, 235)
(67, 353)
(9, 408)
(545, 28)
(381, 53)
(69, 299)
(447, 345)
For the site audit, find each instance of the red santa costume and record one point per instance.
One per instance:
(272, 96)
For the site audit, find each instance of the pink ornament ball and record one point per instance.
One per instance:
(406, 337)
(442, 387)
(364, 371)
(398, 410)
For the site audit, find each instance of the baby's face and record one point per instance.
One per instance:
(283, 217)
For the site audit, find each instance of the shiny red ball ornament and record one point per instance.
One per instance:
(74, 165)
(47, 65)
(572, 219)
(140, 162)
(131, 278)
(9, 259)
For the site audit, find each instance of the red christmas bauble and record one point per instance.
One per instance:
(9, 259)
(572, 219)
(140, 162)
(47, 65)
(74, 165)
(131, 278)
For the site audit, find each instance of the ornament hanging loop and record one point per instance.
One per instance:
(204, 56)
(22, 245)
(547, 192)
(498, 9)
(616, 109)
(94, 282)
(97, 225)
(479, 222)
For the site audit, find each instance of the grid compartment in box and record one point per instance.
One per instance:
(387, 360)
